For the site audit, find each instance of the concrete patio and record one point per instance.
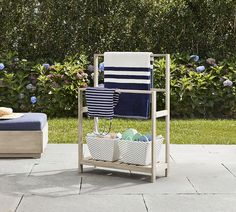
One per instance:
(202, 178)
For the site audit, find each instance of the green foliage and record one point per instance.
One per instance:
(55, 87)
(205, 93)
(195, 94)
(52, 29)
(14, 79)
(58, 86)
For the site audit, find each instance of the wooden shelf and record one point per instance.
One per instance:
(120, 165)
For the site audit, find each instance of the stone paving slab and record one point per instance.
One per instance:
(214, 185)
(218, 148)
(44, 168)
(211, 176)
(222, 153)
(52, 184)
(105, 182)
(231, 167)
(59, 157)
(85, 203)
(193, 203)
(209, 154)
(14, 166)
(9, 202)
(202, 178)
(200, 170)
(10, 184)
(190, 154)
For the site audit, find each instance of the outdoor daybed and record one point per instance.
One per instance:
(26, 136)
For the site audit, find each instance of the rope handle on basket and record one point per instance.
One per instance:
(104, 133)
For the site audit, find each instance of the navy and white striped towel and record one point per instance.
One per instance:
(129, 70)
(101, 101)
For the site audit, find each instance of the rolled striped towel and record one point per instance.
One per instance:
(101, 101)
(129, 70)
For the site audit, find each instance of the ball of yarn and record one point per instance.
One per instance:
(143, 138)
(137, 136)
(129, 133)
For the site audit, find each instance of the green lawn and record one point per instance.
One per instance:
(182, 131)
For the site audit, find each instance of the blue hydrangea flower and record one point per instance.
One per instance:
(101, 66)
(33, 99)
(195, 58)
(46, 65)
(228, 83)
(29, 86)
(200, 69)
(2, 66)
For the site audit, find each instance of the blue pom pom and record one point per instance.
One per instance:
(143, 138)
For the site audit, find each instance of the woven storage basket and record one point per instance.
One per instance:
(138, 152)
(103, 148)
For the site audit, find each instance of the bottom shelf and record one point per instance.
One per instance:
(120, 165)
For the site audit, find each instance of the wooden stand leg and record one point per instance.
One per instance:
(167, 118)
(166, 172)
(154, 152)
(80, 131)
(81, 169)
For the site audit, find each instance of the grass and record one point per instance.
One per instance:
(182, 131)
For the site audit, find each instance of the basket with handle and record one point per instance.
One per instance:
(138, 152)
(103, 148)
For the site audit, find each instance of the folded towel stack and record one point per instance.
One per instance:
(129, 70)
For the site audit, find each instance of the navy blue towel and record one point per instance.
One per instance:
(130, 77)
(101, 102)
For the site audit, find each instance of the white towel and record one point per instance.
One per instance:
(127, 59)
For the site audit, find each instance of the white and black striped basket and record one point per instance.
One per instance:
(105, 149)
(138, 152)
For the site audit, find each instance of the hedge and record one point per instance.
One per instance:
(52, 30)
(202, 88)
